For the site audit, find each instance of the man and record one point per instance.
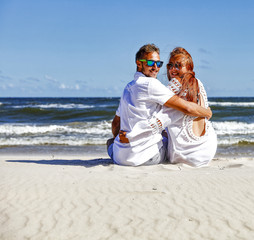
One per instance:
(142, 99)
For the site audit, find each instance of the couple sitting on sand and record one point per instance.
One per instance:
(154, 123)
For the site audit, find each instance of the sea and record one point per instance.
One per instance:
(83, 125)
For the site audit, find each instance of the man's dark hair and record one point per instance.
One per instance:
(148, 48)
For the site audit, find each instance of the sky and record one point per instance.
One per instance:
(81, 48)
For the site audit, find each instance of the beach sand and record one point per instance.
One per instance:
(45, 197)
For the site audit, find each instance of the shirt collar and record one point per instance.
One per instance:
(138, 75)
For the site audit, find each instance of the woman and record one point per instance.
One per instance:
(191, 140)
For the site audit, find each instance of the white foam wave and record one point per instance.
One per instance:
(63, 140)
(73, 134)
(89, 140)
(63, 106)
(101, 128)
(9, 129)
(232, 104)
(233, 128)
(83, 133)
(234, 140)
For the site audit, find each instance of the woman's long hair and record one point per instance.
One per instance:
(190, 88)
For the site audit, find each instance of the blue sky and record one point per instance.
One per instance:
(81, 48)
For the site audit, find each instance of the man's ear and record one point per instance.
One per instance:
(139, 65)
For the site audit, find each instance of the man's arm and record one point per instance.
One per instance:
(188, 108)
(116, 125)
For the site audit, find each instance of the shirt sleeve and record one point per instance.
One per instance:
(118, 109)
(158, 92)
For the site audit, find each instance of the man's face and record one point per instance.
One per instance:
(176, 67)
(146, 70)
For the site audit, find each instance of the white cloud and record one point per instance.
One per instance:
(7, 86)
(75, 87)
(62, 86)
(49, 78)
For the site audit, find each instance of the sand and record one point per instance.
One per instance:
(88, 197)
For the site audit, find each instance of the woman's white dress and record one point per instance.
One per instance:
(183, 145)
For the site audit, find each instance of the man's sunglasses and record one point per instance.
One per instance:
(150, 63)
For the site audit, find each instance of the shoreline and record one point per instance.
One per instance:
(223, 152)
(56, 150)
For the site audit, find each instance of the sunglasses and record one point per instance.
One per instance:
(150, 63)
(176, 65)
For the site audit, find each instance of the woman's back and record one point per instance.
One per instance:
(192, 140)
(198, 126)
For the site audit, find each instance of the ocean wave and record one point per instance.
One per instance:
(55, 105)
(46, 140)
(232, 104)
(233, 128)
(234, 133)
(100, 128)
(49, 115)
(235, 141)
(73, 134)
(93, 140)
(83, 133)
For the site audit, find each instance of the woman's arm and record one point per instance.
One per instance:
(188, 108)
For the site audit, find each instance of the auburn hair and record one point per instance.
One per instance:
(188, 59)
(190, 88)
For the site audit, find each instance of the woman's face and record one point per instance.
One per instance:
(176, 66)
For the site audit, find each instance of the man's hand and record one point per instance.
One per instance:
(122, 137)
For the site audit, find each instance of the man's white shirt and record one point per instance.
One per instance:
(141, 100)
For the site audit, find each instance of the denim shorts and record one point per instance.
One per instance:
(110, 151)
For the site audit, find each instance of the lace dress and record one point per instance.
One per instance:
(183, 145)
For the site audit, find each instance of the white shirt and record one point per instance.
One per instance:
(142, 98)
